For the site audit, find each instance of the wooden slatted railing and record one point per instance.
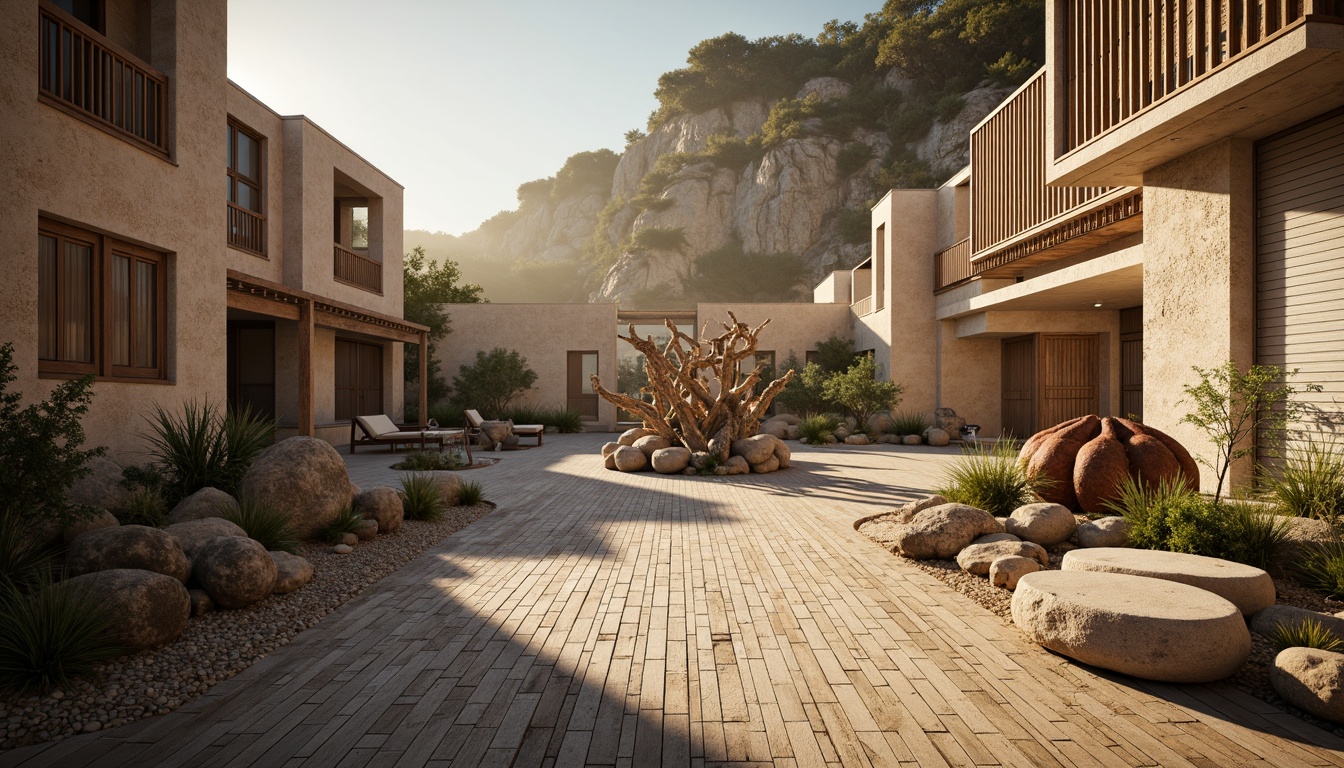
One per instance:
(1009, 196)
(952, 265)
(1124, 56)
(83, 72)
(863, 306)
(247, 230)
(357, 269)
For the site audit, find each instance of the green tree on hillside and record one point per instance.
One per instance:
(428, 286)
(964, 40)
(732, 274)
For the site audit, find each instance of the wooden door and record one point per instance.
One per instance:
(1131, 363)
(1019, 387)
(1068, 374)
(251, 365)
(359, 379)
(582, 397)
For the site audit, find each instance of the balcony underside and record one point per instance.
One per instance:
(1296, 77)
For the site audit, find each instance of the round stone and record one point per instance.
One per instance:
(669, 461)
(150, 608)
(1007, 571)
(193, 533)
(382, 505)
(977, 558)
(1149, 628)
(1311, 679)
(235, 571)
(136, 547)
(629, 459)
(1247, 587)
(303, 476)
(1110, 531)
(1045, 524)
(650, 443)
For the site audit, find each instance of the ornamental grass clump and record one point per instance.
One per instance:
(470, 494)
(908, 423)
(266, 524)
(1308, 633)
(347, 521)
(23, 558)
(51, 632)
(988, 476)
(1322, 567)
(430, 461)
(1169, 516)
(1311, 482)
(421, 499)
(203, 447)
(817, 429)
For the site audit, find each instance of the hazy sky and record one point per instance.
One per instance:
(463, 101)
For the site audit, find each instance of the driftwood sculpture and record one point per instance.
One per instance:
(685, 408)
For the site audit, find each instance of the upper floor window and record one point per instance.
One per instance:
(90, 12)
(101, 305)
(247, 229)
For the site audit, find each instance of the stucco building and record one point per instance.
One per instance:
(126, 259)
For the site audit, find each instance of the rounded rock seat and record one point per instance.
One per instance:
(1247, 587)
(1148, 628)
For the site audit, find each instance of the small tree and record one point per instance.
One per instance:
(493, 381)
(1230, 406)
(803, 395)
(835, 354)
(41, 453)
(428, 286)
(860, 392)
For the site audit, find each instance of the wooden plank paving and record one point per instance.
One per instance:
(637, 620)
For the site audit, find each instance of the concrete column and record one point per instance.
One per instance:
(1198, 281)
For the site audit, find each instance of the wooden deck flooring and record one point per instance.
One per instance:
(639, 620)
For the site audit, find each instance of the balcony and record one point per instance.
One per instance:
(1140, 82)
(247, 230)
(952, 265)
(88, 76)
(863, 306)
(356, 269)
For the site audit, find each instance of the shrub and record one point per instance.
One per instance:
(1322, 567)
(420, 498)
(908, 423)
(1311, 482)
(1170, 517)
(42, 448)
(948, 107)
(659, 239)
(347, 521)
(730, 274)
(266, 524)
(206, 448)
(853, 158)
(816, 429)
(804, 394)
(470, 494)
(836, 354)
(144, 507)
(988, 476)
(860, 392)
(1308, 633)
(431, 461)
(565, 420)
(494, 381)
(50, 633)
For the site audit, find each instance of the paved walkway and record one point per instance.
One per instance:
(641, 620)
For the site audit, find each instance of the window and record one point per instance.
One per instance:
(247, 222)
(101, 305)
(89, 12)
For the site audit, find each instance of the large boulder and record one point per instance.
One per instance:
(669, 461)
(207, 502)
(782, 454)
(1006, 572)
(628, 458)
(234, 570)
(1265, 622)
(943, 531)
(908, 510)
(765, 467)
(859, 439)
(1046, 524)
(136, 547)
(150, 608)
(755, 449)
(1247, 587)
(911, 440)
(1086, 459)
(629, 436)
(193, 533)
(936, 437)
(609, 448)
(1110, 531)
(1312, 680)
(776, 428)
(303, 476)
(976, 559)
(100, 519)
(450, 487)
(792, 432)
(1304, 535)
(787, 418)
(291, 572)
(735, 465)
(650, 443)
(381, 504)
(1149, 628)
(101, 487)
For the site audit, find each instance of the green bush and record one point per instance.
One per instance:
(1170, 517)
(23, 557)
(421, 498)
(266, 524)
(203, 447)
(659, 239)
(470, 494)
(1311, 482)
(347, 521)
(50, 633)
(988, 476)
(565, 420)
(1322, 567)
(492, 382)
(852, 158)
(432, 461)
(1308, 633)
(145, 507)
(42, 448)
(948, 107)
(860, 392)
(816, 429)
(908, 423)
(803, 395)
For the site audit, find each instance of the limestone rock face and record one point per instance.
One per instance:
(291, 572)
(151, 608)
(650, 443)
(1046, 524)
(303, 476)
(193, 533)
(1148, 628)
(1312, 680)
(381, 504)
(627, 458)
(944, 148)
(135, 547)
(207, 502)
(943, 531)
(977, 558)
(101, 487)
(669, 461)
(1110, 531)
(1247, 587)
(1005, 572)
(235, 571)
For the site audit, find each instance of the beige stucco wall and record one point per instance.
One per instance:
(542, 333)
(1199, 279)
(904, 332)
(834, 289)
(793, 327)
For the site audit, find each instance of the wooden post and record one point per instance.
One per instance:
(424, 377)
(307, 424)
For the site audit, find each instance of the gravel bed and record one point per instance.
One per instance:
(1253, 678)
(219, 645)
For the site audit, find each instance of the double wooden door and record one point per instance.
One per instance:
(1048, 378)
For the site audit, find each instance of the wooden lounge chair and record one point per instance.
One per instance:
(379, 430)
(474, 421)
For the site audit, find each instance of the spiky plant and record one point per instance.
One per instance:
(1308, 633)
(470, 494)
(347, 521)
(421, 499)
(265, 523)
(51, 632)
(988, 476)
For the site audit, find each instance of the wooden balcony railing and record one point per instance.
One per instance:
(247, 230)
(863, 306)
(1124, 56)
(84, 73)
(357, 269)
(952, 265)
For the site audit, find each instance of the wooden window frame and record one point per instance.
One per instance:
(236, 177)
(105, 248)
